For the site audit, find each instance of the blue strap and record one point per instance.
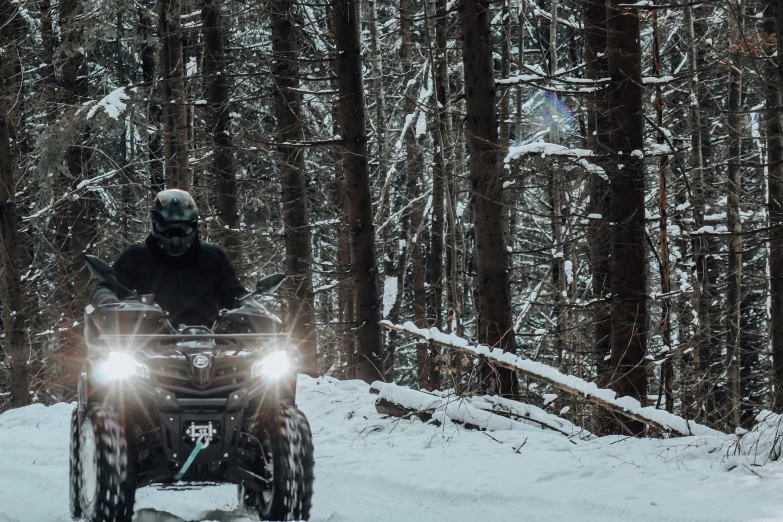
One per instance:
(191, 458)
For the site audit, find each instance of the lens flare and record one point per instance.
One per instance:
(552, 109)
(118, 366)
(274, 365)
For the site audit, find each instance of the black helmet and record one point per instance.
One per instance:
(174, 217)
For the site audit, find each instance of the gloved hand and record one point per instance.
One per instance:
(107, 299)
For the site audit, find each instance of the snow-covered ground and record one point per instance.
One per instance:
(370, 468)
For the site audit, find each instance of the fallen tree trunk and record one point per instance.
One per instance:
(471, 412)
(626, 406)
(514, 410)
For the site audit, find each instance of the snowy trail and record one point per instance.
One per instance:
(373, 469)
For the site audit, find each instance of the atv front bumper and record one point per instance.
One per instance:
(166, 426)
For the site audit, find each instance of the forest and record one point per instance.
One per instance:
(593, 185)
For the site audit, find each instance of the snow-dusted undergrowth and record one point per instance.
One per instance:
(374, 468)
(759, 446)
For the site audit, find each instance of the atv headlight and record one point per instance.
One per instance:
(119, 366)
(274, 365)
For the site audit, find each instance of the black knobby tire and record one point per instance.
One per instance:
(281, 438)
(73, 468)
(292, 449)
(107, 493)
(255, 495)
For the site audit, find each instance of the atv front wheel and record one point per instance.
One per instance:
(73, 472)
(105, 488)
(285, 464)
(292, 449)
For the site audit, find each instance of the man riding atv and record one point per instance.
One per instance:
(191, 279)
(187, 379)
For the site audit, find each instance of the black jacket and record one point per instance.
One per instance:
(192, 288)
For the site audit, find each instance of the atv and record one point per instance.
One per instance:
(188, 406)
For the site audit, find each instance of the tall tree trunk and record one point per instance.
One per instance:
(390, 269)
(559, 282)
(413, 241)
(423, 361)
(380, 94)
(218, 108)
(455, 258)
(392, 272)
(192, 67)
(408, 184)
(288, 103)
(440, 173)
(154, 109)
(511, 194)
(505, 72)
(552, 41)
(75, 218)
(357, 180)
(629, 255)
(345, 301)
(773, 72)
(667, 368)
(734, 283)
(494, 300)
(175, 121)
(11, 287)
(710, 360)
(127, 136)
(49, 96)
(555, 193)
(596, 68)
(702, 297)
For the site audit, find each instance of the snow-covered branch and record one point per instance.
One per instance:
(543, 149)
